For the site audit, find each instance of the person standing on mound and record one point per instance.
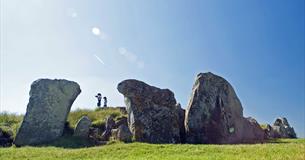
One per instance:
(105, 101)
(99, 99)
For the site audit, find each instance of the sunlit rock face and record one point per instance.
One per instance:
(153, 115)
(282, 129)
(215, 114)
(49, 105)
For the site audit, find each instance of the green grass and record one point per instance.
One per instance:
(68, 147)
(10, 122)
(68, 141)
(97, 116)
(283, 149)
(264, 126)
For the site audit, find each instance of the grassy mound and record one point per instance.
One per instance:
(97, 116)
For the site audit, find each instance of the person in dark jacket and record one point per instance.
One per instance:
(105, 101)
(99, 99)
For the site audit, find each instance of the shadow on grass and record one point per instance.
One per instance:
(70, 142)
(277, 141)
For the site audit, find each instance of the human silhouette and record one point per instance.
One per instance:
(105, 101)
(99, 98)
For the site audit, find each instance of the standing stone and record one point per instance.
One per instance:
(122, 133)
(110, 124)
(49, 105)
(215, 114)
(282, 129)
(152, 112)
(82, 127)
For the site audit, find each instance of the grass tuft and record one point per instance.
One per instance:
(264, 126)
(10, 122)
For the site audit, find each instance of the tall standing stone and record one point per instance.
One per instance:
(152, 112)
(215, 114)
(49, 105)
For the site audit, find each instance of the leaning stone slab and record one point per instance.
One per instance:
(49, 105)
(152, 112)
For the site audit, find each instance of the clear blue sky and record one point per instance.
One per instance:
(257, 45)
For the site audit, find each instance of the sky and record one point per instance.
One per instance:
(257, 45)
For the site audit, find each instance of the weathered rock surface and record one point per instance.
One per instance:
(110, 124)
(121, 121)
(152, 112)
(6, 139)
(269, 132)
(282, 129)
(82, 127)
(252, 131)
(181, 115)
(215, 114)
(47, 111)
(94, 133)
(122, 133)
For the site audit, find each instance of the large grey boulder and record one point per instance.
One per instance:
(82, 127)
(215, 114)
(282, 129)
(122, 133)
(49, 105)
(152, 112)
